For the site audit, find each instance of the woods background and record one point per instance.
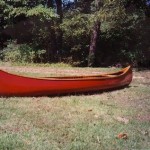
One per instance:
(79, 32)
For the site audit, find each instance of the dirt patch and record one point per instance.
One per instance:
(144, 118)
(142, 77)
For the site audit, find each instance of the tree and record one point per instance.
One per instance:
(94, 39)
(59, 9)
(50, 3)
(60, 34)
(93, 43)
(112, 16)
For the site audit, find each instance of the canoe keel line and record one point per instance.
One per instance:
(16, 85)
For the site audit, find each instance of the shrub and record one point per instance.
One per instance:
(22, 53)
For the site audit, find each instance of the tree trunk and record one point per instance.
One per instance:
(59, 9)
(50, 3)
(75, 2)
(1, 29)
(60, 35)
(93, 43)
(54, 49)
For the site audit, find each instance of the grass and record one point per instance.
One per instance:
(53, 65)
(78, 122)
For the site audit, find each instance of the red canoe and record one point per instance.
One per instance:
(15, 85)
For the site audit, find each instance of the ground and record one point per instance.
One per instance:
(105, 120)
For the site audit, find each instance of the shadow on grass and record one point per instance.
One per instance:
(91, 92)
(142, 69)
(97, 92)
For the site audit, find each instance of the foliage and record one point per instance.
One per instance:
(76, 31)
(21, 53)
(42, 12)
(64, 28)
(32, 25)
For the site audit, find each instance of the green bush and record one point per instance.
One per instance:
(22, 53)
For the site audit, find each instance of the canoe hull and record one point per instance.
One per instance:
(14, 85)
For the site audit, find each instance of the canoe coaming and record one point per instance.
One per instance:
(16, 85)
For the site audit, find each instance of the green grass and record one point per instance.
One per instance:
(78, 122)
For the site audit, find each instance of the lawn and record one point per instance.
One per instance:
(77, 122)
